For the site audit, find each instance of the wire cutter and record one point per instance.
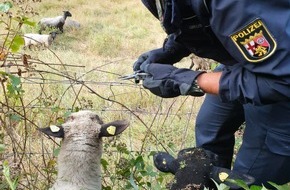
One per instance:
(137, 75)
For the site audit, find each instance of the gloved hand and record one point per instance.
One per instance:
(168, 81)
(171, 53)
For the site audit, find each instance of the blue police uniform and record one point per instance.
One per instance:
(251, 39)
(257, 36)
(216, 124)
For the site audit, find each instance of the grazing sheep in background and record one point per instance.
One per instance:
(69, 23)
(56, 22)
(195, 168)
(80, 154)
(45, 40)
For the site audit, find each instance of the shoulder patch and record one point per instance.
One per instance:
(254, 41)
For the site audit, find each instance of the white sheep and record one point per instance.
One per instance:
(80, 154)
(31, 39)
(56, 22)
(73, 24)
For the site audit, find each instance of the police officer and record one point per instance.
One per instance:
(251, 40)
(200, 41)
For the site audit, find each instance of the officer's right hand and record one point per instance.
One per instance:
(168, 81)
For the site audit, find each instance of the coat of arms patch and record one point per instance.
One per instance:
(254, 41)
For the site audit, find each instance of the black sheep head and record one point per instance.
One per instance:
(67, 14)
(194, 169)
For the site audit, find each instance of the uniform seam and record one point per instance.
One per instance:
(206, 7)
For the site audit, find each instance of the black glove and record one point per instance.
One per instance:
(168, 81)
(171, 53)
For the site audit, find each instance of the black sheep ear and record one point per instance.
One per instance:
(229, 177)
(113, 128)
(164, 162)
(53, 131)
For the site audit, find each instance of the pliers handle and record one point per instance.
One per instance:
(137, 75)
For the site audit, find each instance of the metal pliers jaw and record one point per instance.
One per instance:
(137, 76)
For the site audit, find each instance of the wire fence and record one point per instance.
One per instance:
(48, 92)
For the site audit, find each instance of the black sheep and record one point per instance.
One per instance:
(195, 169)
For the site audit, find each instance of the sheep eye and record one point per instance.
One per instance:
(94, 118)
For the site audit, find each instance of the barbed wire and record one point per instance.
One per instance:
(23, 150)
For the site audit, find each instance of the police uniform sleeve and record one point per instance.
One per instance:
(150, 5)
(257, 35)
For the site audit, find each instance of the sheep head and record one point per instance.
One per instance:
(194, 169)
(79, 160)
(53, 34)
(67, 14)
(86, 123)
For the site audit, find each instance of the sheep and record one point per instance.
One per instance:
(72, 24)
(46, 40)
(195, 168)
(56, 22)
(81, 149)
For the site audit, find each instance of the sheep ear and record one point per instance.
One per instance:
(229, 177)
(53, 131)
(164, 162)
(113, 128)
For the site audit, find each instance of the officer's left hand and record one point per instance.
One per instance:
(168, 81)
(171, 52)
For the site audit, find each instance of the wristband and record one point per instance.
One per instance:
(195, 90)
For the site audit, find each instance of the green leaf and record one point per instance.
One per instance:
(132, 182)
(255, 187)
(6, 172)
(56, 152)
(2, 148)
(104, 164)
(264, 188)
(67, 113)
(28, 22)
(14, 86)
(15, 117)
(213, 66)
(15, 81)
(280, 187)
(15, 183)
(150, 171)
(3, 73)
(55, 109)
(221, 186)
(51, 164)
(239, 183)
(6, 168)
(4, 7)
(17, 42)
(139, 163)
(24, 20)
